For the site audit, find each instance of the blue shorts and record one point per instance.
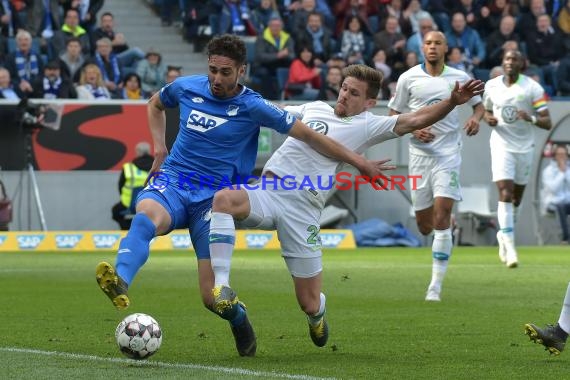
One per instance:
(188, 209)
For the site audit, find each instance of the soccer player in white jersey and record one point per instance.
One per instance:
(514, 105)
(294, 211)
(435, 151)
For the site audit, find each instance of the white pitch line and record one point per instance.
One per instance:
(229, 370)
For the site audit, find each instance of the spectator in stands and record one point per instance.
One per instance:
(456, 59)
(317, 35)
(470, 11)
(396, 9)
(173, 72)
(545, 48)
(132, 88)
(304, 79)
(378, 61)
(299, 18)
(563, 76)
(7, 90)
(108, 64)
(9, 21)
(492, 14)
(353, 43)
(330, 89)
(21, 8)
(415, 13)
(498, 41)
(496, 71)
(43, 18)
(346, 10)
(69, 29)
(152, 72)
(564, 21)
(52, 85)
(91, 85)
(71, 60)
(87, 10)
(392, 42)
(275, 48)
(467, 38)
(527, 20)
(133, 177)
(261, 14)
(24, 64)
(438, 9)
(416, 40)
(235, 18)
(128, 56)
(337, 60)
(556, 188)
(411, 59)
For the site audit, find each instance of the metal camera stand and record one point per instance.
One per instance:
(32, 183)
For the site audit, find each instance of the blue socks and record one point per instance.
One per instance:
(134, 248)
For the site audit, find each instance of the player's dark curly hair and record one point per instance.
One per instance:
(228, 45)
(366, 74)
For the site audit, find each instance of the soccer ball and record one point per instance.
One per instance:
(138, 336)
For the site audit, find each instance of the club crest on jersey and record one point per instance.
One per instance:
(318, 126)
(509, 114)
(202, 122)
(232, 110)
(197, 99)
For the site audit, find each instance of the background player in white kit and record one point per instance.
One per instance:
(296, 213)
(514, 105)
(435, 152)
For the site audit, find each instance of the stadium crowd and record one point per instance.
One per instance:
(56, 49)
(301, 39)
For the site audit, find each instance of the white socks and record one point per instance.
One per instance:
(222, 240)
(564, 320)
(505, 217)
(441, 251)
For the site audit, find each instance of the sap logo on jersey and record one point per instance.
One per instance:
(67, 241)
(181, 241)
(105, 240)
(332, 240)
(202, 122)
(29, 241)
(257, 240)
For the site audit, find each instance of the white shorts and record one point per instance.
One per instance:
(511, 165)
(296, 220)
(440, 178)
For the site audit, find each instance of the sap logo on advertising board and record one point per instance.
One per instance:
(105, 240)
(332, 240)
(2, 239)
(181, 241)
(29, 241)
(257, 240)
(67, 241)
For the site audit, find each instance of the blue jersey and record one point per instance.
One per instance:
(217, 138)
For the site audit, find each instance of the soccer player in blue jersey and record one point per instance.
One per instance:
(216, 146)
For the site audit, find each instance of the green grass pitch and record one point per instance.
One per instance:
(56, 324)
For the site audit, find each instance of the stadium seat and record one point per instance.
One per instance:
(475, 207)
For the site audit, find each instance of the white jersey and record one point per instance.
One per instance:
(512, 134)
(357, 133)
(416, 89)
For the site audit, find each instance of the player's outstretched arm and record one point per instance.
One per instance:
(157, 125)
(409, 122)
(337, 151)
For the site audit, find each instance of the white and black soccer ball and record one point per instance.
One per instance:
(138, 336)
